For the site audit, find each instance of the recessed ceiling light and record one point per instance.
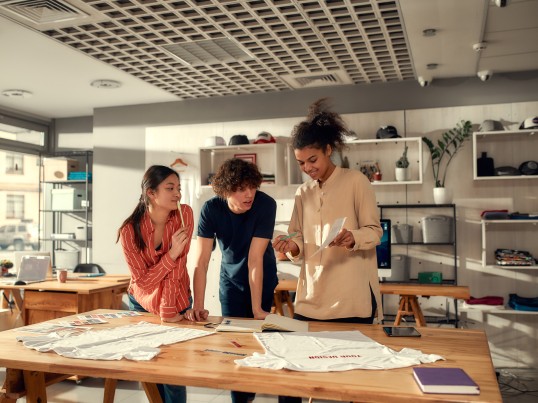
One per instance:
(106, 84)
(17, 93)
(429, 32)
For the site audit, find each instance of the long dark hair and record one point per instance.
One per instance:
(321, 128)
(153, 177)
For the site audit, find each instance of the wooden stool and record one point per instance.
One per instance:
(409, 306)
(283, 296)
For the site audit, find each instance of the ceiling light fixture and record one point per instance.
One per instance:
(480, 46)
(108, 84)
(429, 32)
(424, 81)
(17, 93)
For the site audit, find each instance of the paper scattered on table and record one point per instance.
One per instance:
(112, 315)
(137, 342)
(330, 351)
(336, 227)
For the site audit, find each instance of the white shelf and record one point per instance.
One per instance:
(508, 234)
(507, 148)
(386, 152)
(270, 158)
(497, 311)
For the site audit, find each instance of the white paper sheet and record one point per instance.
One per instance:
(337, 226)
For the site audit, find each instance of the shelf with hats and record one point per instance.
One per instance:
(269, 157)
(505, 154)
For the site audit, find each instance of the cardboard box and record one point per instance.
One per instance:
(57, 169)
(67, 199)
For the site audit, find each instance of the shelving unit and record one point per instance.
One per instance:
(270, 159)
(507, 148)
(75, 221)
(426, 256)
(508, 234)
(383, 151)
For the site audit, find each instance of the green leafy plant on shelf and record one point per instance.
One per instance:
(446, 148)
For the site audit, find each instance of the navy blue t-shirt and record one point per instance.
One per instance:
(234, 233)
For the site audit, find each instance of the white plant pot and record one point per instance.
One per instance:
(402, 174)
(442, 196)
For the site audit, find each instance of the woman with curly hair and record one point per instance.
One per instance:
(339, 283)
(242, 219)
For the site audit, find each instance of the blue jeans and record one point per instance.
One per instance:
(169, 393)
(237, 303)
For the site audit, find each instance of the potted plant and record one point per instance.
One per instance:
(402, 165)
(443, 153)
(6, 265)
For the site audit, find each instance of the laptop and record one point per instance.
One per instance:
(32, 269)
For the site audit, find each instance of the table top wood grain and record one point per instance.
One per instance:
(207, 362)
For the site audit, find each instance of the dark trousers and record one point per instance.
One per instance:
(367, 321)
(237, 303)
(169, 393)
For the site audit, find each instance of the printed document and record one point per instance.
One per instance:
(337, 226)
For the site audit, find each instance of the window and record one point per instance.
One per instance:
(14, 164)
(15, 206)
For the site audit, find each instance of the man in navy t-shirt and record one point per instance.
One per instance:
(242, 220)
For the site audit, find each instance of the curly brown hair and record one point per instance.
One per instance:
(233, 174)
(321, 128)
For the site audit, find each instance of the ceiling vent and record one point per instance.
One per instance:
(208, 52)
(308, 80)
(43, 11)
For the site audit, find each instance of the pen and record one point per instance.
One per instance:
(93, 275)
(223, 352)
(288, 236)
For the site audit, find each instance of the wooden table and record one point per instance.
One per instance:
(50, 299)
(196, 363)
(408, 296)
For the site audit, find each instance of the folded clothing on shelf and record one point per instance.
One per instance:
(487, 300)
(522, 303)
(513, 257)
(495, 214)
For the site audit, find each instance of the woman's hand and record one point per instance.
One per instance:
(179, 241)
(284, 244)
(174, 319)
(344, 238)
(196, 315)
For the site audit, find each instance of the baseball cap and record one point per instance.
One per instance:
(530, 123)
(237, 139)
(264, 138)
(387, 132)
(489, 125)
(212, 141)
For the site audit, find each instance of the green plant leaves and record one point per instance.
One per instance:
(448, 145)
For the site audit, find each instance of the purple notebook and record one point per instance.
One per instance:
(445, 380)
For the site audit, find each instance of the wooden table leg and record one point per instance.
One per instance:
(289, 303)
(110, 390)
(152, 392)
(401, 310)
(36, 391)
(417, 311)
(278, 303)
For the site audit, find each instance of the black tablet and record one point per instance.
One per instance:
(401, 331)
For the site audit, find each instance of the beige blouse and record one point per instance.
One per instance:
(335, 283)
